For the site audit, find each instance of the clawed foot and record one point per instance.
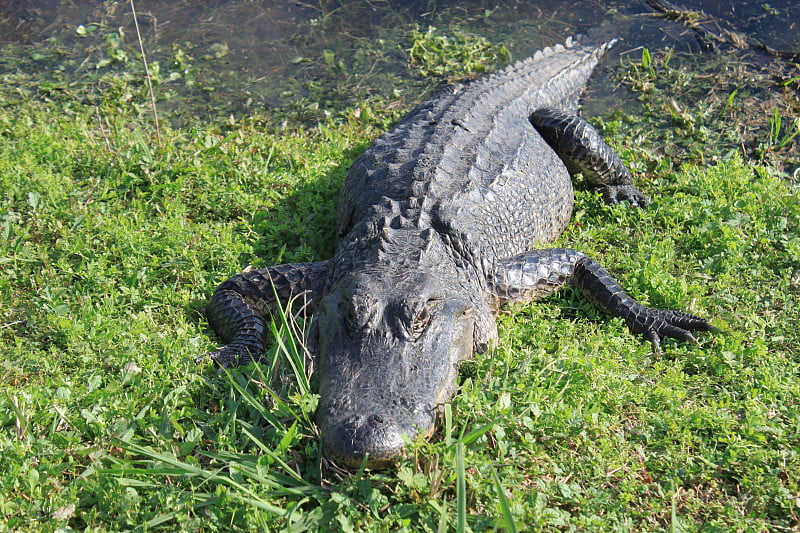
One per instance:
(655, 324)
(614, 194)
(232, 355)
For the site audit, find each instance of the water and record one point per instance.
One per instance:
(232, 57)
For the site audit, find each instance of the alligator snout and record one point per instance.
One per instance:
(366, 427)
(373, 438)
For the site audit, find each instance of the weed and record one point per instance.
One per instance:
(147, 74)
(455, 56)
(777, 137)
(736, 116)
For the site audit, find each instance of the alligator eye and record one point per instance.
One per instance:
(420, 322)
(423, 317)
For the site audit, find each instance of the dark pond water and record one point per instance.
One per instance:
(233, 56)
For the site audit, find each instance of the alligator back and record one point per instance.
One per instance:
(469, 163)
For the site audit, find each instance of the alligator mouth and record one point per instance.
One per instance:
(372, 440)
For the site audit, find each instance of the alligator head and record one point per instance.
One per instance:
(391, 333)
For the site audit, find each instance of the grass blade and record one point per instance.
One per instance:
(241, 492)
(253, 402)
(504, 506)
(461, 489)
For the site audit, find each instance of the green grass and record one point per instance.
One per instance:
(110, 246)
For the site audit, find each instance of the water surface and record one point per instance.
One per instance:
(237, 56)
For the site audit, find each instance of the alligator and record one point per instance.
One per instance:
(441, 222)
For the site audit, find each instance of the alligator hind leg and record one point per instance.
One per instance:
(533, 275)
(583, 151)
(240, 305)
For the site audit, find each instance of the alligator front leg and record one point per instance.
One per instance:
(583, 151)
(533, 275)
(240, 306)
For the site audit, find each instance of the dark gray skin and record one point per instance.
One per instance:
(439, 225)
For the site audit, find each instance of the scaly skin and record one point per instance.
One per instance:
(440, 224)
(584, 151)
